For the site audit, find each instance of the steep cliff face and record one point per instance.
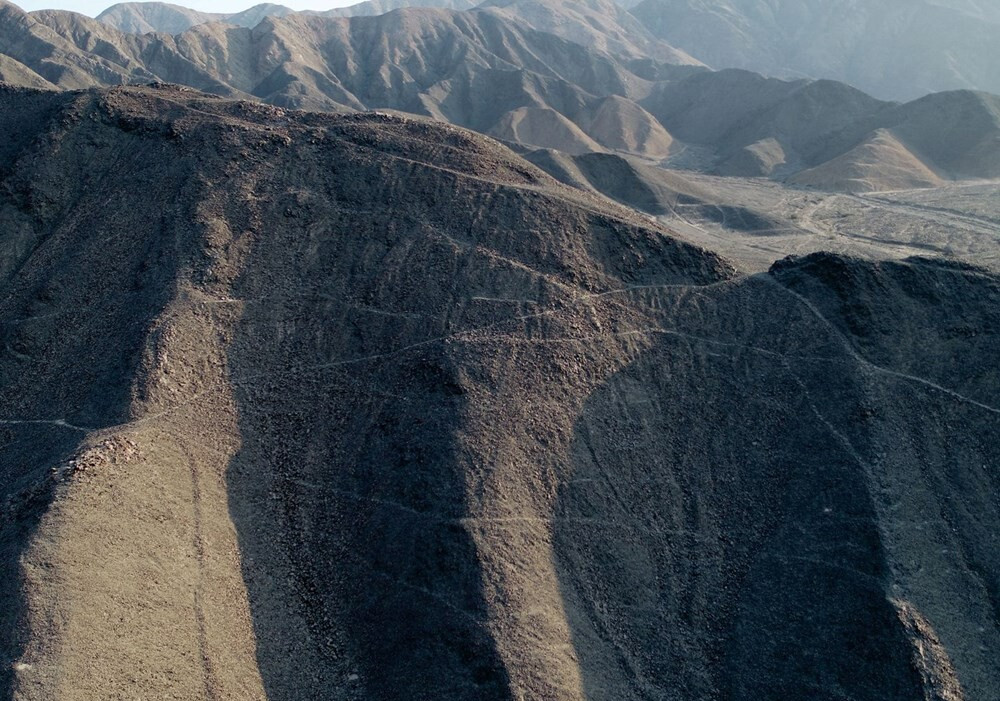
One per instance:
(338, 407)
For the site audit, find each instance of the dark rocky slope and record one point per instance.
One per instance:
(308, 406)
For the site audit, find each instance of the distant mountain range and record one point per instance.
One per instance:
(144, 17)
(893, 49)
(578, 77)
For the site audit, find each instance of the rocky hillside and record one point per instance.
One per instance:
(303, 406)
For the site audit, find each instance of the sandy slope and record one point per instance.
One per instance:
(880, 163)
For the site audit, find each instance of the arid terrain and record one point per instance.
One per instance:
(377, 409)
(500, 353)
(576, 77)
(894, 49)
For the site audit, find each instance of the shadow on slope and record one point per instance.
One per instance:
(716, 539)
(745, 496)
(348, 491)
(27, 454)
(405, 249)
(366, 498)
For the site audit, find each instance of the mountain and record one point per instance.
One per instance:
(17, 73)
(732, 109)
(302, 405)
(655, 191)
(380, 7)
(500, 71)
(543, 126)
(144, 17)
(894, 49)
(958, 132)
(761, 127)
(915, 147)
(436, 63)
(598, 24)
(253, 16)
(881, 162)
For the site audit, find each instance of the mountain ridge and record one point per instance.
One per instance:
(303, 405)
(929, 47)
(489, 70)
(146, 17)
(896, 50)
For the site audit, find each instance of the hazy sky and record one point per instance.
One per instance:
(94, 7)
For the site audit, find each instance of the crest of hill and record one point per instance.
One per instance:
(623, 125)
(642, 187)
(469, 68)
(380, 7)
(650, 189)
(761, 158)
(732, 109)
(958, 131)
(880, 163)
(538, 126)
(944, 136)
(598, 24)
(145, 17)
(16, 73)
(780, 128)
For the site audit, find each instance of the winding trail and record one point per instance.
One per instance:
(878, 368)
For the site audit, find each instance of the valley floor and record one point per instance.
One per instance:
(960, 221)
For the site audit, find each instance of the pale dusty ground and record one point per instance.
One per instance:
(959, 221)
